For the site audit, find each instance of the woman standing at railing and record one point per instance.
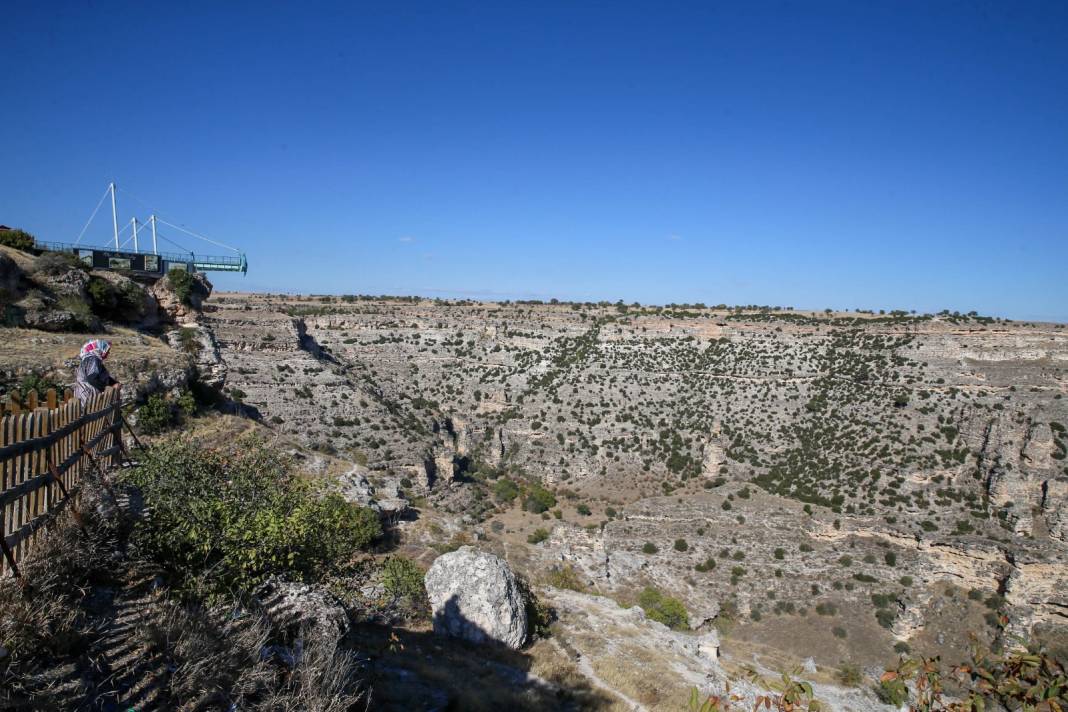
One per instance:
(93, 377)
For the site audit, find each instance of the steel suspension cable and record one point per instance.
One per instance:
(95, 211)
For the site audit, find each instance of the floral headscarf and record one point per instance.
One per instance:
(96, 347)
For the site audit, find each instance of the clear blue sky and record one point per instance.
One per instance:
(854, 154)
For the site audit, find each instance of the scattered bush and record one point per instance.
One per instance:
(181, 283)
(54, 264)
(539, 500)
(538, 536)
(566, 577)
(663, 609)
(36, 382)
(403, 579)
(156, 415)
(125, 303)
(505, 490)
(849, 675)
(649, 548)
(187, 339)
(708, 565)
(226, 519)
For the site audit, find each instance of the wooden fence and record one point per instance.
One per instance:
(44, 453)
(15, 403)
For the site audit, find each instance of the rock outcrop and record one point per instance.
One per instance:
(475, 596)
(143, 315)
(199, 342)
(173, 308)
(297, 610)
(354, 487)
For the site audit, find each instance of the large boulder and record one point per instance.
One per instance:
(57, 298)
(62, 275)
(41, 310)
(141, 308)
(475, 596)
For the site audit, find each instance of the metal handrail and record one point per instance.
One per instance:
(168, 256)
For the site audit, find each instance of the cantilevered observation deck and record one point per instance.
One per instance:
(140, 262)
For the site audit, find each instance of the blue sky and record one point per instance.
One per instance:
(816, 154)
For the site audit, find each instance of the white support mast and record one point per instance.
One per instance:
(114, 215)
(134, 222)
(152, 222)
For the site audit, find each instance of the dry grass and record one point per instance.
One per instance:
(93, 629)
(134, 356)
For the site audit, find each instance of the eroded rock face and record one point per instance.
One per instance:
(475, 596)
(199, 342)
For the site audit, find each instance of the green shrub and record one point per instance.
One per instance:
(583, 509)
(664, 609)
(403, 579)
(226, 519)
(708, 565)
(505, 490)
(187, 339)
(539, 500)
(566, 577)
(125, 303)
(82, 315)
(156, 415)
(18, 239)
(649, 548)
(538, 536)
(885, 616)
(540, 616)
(187, 403)
(39, 383)
(53, 264)
(849, 675)
(181, 282)
(681, 545)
